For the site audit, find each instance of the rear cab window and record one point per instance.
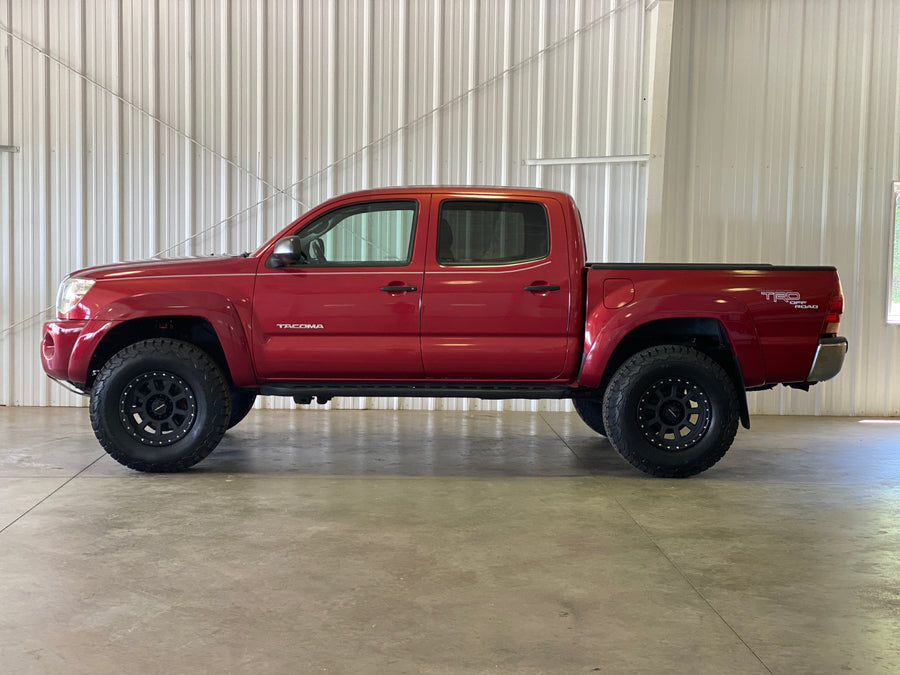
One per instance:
(485, 232)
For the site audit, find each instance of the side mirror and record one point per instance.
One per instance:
(287, 253)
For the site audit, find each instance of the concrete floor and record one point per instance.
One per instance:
(381, 542)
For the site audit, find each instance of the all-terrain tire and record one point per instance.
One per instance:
(242, 401)
(671, 411)
(590, 410)
(160, 405)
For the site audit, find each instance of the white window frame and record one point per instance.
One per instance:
(893, 305)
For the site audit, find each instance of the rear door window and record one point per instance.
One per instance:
(483, 232)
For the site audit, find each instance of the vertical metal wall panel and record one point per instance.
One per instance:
(185, 128)
(783, 141)
(7, 168)
(30, 194)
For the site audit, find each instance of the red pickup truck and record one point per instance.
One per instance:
(450, 291)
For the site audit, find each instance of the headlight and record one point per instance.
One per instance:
(71, 292)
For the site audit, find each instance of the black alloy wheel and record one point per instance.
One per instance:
(160, 405)
(158, 408)
(671, 411)
(674, 414)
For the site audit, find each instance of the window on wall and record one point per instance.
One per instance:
(894, 300)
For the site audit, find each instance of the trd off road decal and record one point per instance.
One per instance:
(790, 297)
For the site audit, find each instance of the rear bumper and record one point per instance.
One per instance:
(828, 360)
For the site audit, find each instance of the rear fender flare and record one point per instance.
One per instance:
(604, 334)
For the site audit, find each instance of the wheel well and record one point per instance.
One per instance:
(194, 329)
(703, 334)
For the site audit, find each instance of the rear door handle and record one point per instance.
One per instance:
(399, 289)
(542, 289)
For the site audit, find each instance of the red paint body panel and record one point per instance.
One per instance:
(775, 341)
(472, 323)
(606, 328)
(215, 289)
(56, 347)
(366, 333)
(479, 323)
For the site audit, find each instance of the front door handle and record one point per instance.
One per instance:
(542, 289)
(399, 289)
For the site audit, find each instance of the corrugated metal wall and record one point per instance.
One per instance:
(782, 143)
(150, 127)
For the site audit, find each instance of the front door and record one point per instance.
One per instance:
(350, 308)
(496, 301)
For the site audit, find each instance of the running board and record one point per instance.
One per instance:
(325, 391)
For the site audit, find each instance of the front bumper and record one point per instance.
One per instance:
(828, 360)
(57, 346)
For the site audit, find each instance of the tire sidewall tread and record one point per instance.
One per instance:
(639, 372)
(196, 368)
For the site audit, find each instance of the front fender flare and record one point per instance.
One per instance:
(218, 310)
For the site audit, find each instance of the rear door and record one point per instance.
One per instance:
(497, 300)
(351, 310)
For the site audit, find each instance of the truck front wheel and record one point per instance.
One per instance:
(160, 405)
(671, 411)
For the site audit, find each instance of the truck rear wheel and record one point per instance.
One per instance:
(590, 410)
(160, 405)
(671, 411)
